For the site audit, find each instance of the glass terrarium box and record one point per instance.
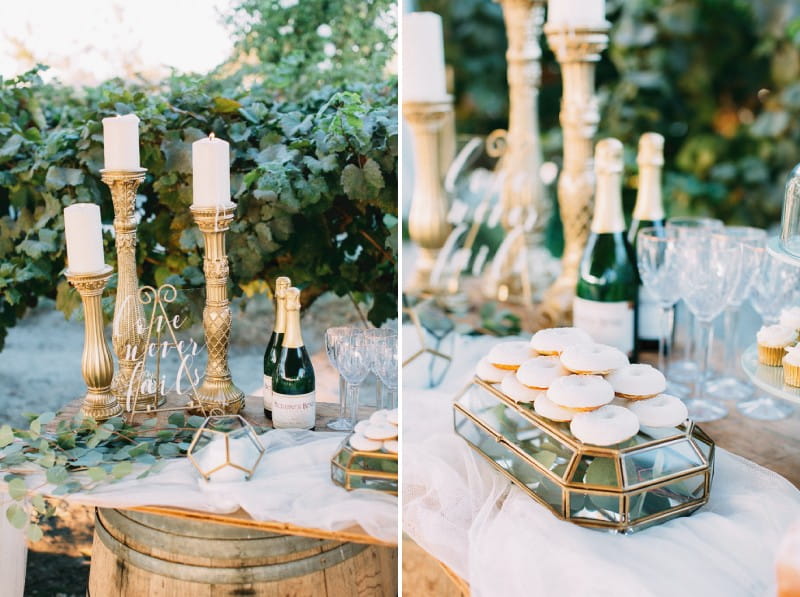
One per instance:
(357, 469)
(655, 476)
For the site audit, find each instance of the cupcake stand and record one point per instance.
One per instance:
(656, 476)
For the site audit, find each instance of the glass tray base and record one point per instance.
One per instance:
(355, 469)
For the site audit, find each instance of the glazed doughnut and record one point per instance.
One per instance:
(593, 359)
(489, 373)
(378, 417)
(605, 426)
(637, 382)
(553, 341)
(509, 355)
(548, 409)
(380, 431)
(539, 372)
(391, 445)
(364, 444)
(580, 392)
(361, 426)
(512, 388)
(662, 411)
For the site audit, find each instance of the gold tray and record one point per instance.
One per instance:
(653, 477)
(355, 469)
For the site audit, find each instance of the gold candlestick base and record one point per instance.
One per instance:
(217, 393)
(132, 385)
(96, 364)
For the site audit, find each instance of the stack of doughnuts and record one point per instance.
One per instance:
(570, 378)
(378, 433)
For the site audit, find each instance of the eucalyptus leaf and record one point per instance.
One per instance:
(34, 533)
(17, 516)
(17, 489)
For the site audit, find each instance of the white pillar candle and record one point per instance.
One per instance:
(84, 238)
(211, 172)
(121, 142)
(576, 13)
(424, 78)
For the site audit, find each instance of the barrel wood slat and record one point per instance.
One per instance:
(143, 554)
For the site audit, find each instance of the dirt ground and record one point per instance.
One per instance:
(40, 371)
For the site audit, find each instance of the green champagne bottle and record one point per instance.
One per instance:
(608, 284)
(293, 386)
(273, 351)
(649, 211)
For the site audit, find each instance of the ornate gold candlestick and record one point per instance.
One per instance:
(129, 332)
(96, 364)
(427, 218)
(217, 394)
(577, 49)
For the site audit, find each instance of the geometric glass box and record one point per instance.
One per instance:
(657, 475)
(355, 469)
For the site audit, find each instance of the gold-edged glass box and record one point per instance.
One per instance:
(659, 474)
(356, 469)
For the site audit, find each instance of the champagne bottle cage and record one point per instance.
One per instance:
(357, 469)
(656, 476)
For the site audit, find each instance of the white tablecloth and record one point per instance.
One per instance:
(457, 507)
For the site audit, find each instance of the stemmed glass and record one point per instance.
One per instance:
(657, 260)
(728, 386)
(385, 367)
(709, 273)
(685, 369)
(354, 361)
(333, 339)
(773, 283)
(375, 338)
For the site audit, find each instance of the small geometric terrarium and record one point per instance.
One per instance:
(225, 448)
(356, 469)
(657, 475)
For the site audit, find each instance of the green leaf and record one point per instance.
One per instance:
(121, 470)
(34, 532)
(57, 475)
(37, 501)
(195, 421)
(10, 147)
(6, 435)
(178, 419)
(97, 473)
(17, 516)
(168, 450)
(226, 105)
(58, 178)
(17, 489)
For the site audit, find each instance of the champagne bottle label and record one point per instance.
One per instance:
(607, 322)
(268, 392)
(297, 411)
(649, 315)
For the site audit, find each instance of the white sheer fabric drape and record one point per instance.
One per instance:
(13, 552)
(503, 543)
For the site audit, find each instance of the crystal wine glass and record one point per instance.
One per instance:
(354, 362)
(375, 338)
(773, 283)
(728, 386)
(386, 368)
(657, 260)
(333, 338)
(709, 267)
(685, 369)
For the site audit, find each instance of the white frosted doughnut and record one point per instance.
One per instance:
(511, 387)
(361, 426)
(489, 373)
(580, 392)
(790, 318)
(364, 444)
(539, 372)
(554, 340)
(391, 417)
(593, 359)
(391, 445)
(637, 382)
(381, 431)
(550, 410)
(510, 355)
(378, 417)
(664, 410)
(605, 426)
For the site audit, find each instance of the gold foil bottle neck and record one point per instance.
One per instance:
(608, 156)
(292, 299)
(651, 150)
(294, 336)
(282, 283)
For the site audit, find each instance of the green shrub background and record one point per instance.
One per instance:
(720, 79)
(312, 125)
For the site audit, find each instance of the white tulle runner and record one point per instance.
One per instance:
(503, 543)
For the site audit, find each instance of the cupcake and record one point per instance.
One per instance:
(791, 366)
(772, 341)
(790, 318)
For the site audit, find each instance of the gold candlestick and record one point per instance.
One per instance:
(217, 394)
(427, 218)
(577, 49)
(132, 385)
(96, 364)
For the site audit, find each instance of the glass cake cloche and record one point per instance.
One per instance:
(367, 458)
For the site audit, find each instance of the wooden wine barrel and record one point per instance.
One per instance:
(138, 555)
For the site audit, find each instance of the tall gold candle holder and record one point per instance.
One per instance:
(96, 364)
(577, 49)
(217, 394)
(132, 385)
(427, 219)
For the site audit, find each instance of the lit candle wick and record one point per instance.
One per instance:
(211, 135)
